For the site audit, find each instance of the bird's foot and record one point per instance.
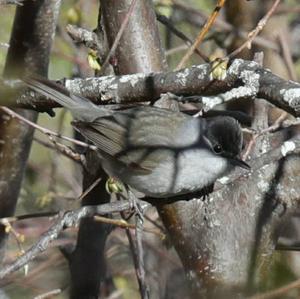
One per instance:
(137, 208)
(206, 191)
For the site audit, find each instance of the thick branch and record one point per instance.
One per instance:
(30, 45)
(15, 2)
(225, 254)
(244, 79)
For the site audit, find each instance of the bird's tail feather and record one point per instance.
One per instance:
(80, 107)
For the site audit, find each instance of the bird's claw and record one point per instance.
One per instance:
(136, 206)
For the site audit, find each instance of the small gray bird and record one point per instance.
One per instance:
(158, 152)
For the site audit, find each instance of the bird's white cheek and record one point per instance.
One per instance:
(221, 167)
(201, 167)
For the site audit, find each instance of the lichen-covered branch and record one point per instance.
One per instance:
(14, 2)
(244, 79)
(80, 35)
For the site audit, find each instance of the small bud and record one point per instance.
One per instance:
(218, 69)
(21, 238)
(21, 252)
(73, 15)
(93, 60)
(45, 200)
(8, 229)
(113, 186)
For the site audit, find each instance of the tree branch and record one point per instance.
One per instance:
(68, 219)
(244, 79)
(29, 49)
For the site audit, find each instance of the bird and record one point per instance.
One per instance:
(158, 152)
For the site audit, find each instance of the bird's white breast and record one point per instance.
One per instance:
(189, 171)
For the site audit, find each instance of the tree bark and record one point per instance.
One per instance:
(226, 243)
(29, 50)
(132, 55)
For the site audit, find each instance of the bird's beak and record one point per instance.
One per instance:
(240, 163)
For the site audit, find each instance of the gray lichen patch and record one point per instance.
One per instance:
(291, 97)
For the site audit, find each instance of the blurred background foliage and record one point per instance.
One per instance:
(53, 182)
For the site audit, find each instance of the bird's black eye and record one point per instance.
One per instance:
(218, 149)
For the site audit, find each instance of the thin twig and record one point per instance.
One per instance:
(165, 21)
(68, 219)
(46, 131)
(220, 23)
(48, 294)
(63, 149)
(129, 235)
(277, 124)
(29, 216)
(201, 35)
(47, 214)
(90, 188)
(119, 35)
(251, 36)
(124, 224)
(139, 227)
(140, 255)
(14, 2)
(135, 257)
(175, 50)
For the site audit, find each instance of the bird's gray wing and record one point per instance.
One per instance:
(111, 140)
(154, 127)
(108, 136)
(139, 137)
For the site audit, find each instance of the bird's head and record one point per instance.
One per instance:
(224, 137)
